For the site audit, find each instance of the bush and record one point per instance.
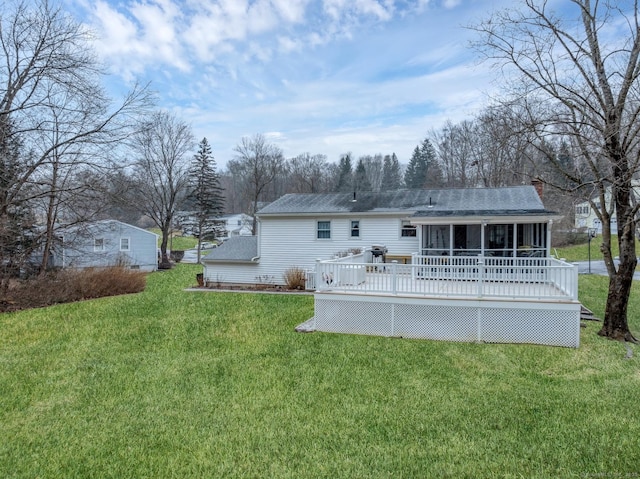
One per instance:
(67, 286)
(295, 278)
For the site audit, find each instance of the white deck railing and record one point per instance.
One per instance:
(499, 277)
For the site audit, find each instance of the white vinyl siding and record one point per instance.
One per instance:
(287, 242)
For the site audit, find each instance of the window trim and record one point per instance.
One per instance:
(128, 248)
(98, 245)
(323, 230)
(406, 226)
(354, 228)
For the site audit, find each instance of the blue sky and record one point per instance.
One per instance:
(317, 76)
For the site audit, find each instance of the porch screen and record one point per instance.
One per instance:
(498, 240)
(436, 240)
(467, 240)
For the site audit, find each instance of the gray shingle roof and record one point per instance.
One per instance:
(435, 202)
(236, 248)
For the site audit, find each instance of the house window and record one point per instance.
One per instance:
(355, 229)
(407, 230)
(98, 244)
(324, 230)
(582, 210)
(124, 244)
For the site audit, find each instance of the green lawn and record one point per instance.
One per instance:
(169, 383)
(580, 252)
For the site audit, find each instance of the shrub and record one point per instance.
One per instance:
(295, 278)
(71, 285)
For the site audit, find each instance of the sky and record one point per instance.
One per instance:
(313, 76)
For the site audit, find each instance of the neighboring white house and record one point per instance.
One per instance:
(107, 243)
(238, 224)
(297, 229)
(585, 216)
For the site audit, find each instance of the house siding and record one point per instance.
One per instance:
(79, 248)
(292, 242)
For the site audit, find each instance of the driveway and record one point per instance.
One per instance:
(598, 267)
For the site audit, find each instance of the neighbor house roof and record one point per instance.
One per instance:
(240, 249)
(508, 201)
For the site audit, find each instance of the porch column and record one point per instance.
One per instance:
(484, 225)
(515, 240)
(548, 245)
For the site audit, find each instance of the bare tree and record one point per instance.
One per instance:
(51, 104)
(258, 163)
(577, 84)
(308, 173)
(161, 149)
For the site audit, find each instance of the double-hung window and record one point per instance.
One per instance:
(324, 230)
(355, 228)
(98, 244)
(124, 244)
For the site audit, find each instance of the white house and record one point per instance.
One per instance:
(297, 229)
(441, 264)
(585, 216)
(238, 224)
(107, 243)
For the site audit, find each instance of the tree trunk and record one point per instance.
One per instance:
(164, 257)
(615, 325)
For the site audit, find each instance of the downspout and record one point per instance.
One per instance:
(258, 228)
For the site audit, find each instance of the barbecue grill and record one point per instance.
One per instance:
(378, 253)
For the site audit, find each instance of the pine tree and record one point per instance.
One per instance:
(345, 174)
(416, 170)
(205, 194)
(424, 169)
(433, 176)
(361, 181)
(391, 174)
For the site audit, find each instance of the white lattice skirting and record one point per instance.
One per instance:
(470, 320)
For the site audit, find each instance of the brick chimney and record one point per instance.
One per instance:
(539, 186)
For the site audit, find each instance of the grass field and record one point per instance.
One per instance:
(580, 252)
(168, 383)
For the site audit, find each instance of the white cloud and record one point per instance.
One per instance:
(325, 76)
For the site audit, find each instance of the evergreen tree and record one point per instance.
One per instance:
(424, 169)
(433, 174)
(205, 195)
(391, 174)
(414, 177)
(361, 181)
(18, 235)
(345, 174)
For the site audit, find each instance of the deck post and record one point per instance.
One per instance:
(318, 274)
(481, 272)
(394, 277)
(414, 262)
